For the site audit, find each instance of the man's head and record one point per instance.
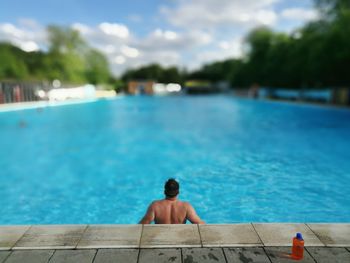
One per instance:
(171, 188)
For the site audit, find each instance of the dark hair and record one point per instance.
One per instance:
(171, 188)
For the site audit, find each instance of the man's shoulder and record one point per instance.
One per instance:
(156, 203)
(186, 204)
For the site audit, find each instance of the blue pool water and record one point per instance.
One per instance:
(236, 160)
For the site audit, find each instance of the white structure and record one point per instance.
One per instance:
(165, 89)
(83, 92)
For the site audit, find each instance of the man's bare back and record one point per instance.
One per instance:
(171, 210)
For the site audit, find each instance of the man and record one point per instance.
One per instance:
(170, 210)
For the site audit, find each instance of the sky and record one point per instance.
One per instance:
(132, 33)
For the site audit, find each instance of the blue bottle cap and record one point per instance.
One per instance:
(299, 236)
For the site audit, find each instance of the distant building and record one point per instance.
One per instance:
(153, 88)
(140, 87)
(199, 87)
(206, 87)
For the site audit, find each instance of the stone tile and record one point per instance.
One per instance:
(158, 236)
(4, 255)
(51, 237)
(116, 256)
(282, 234)
(337, 235)
(246, 254)
(160, 255)
(111, 236)
(329, 254)
(73, 256)
(203, 255)
(282, 254)
(229, 235)
(9, 235)
(30, 256)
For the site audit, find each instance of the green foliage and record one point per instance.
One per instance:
(12, 64)
(65, 40)
(69, 56)
(69, 59)
(97, 68)
(317, 55)
(117, 84)
(154, 72)
(332, 8)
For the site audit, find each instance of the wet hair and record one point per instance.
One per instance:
(171, 188)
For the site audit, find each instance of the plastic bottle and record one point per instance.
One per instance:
(298, 247)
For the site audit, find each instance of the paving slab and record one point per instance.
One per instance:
(246, 254)
(116, 255)
(160, 255)
(282, 255)
(162, 236)
(329, 254)
(30, 256)
(282, 234)
(4, 255)
(203, 255)
(337, 235)
(51, 237)
(229, 235)
(9, 235)
(73, 256)
(111, 236)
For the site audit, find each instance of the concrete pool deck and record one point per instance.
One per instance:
(159, 243)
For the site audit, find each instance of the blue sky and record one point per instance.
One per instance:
(137, 32)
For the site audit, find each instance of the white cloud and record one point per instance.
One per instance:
(28, 37)
(213, 13)
(119, 60)
(109, 49)
(83, 29)
(167, 34)
(233, 47)
(114, 29)
(104, 35)
(29, 46)
(172, 41)
(265, 17)
(129, 51)
(223, 49)
(299, 14)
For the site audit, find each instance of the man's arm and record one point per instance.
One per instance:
(149, 216)
(192, 215)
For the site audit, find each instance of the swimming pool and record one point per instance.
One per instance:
(237, 160)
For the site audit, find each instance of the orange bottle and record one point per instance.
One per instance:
(298, 247)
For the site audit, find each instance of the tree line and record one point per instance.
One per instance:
(316, 55)
(69, 58)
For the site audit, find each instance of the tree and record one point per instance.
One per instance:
(259, 42)
(97, 68)
(65, 60)
(12, 65)
(70, 58)
(65, 40)
(154, 72)
(332, 8)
